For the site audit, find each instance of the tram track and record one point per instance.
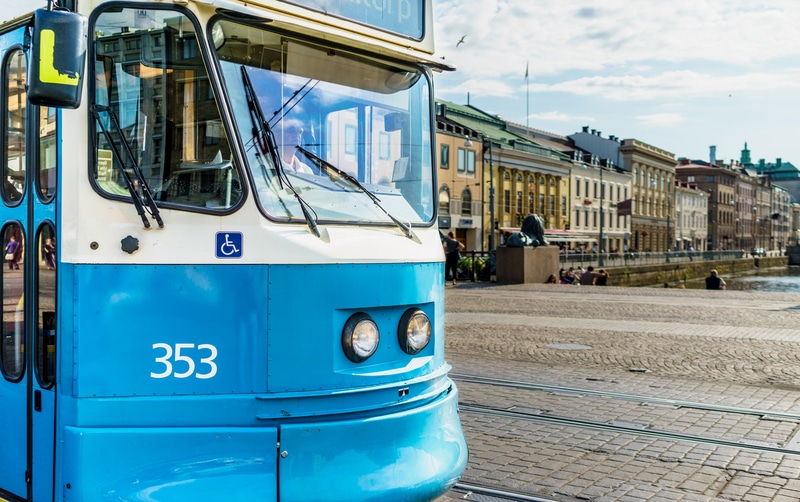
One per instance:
(487, 493)
(625, 429)
(556, 389)
(516, 411)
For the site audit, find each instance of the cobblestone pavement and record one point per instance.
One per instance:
(728, 348)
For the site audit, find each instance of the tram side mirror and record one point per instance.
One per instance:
(56, 58)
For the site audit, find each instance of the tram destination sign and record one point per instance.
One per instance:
(403, 17)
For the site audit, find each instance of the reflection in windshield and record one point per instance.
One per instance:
(368, 119)
(149, 73)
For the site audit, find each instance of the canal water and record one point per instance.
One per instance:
(782, 280)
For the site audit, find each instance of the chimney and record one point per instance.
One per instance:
(778, 162)
(598, 134)
(594, 132)
(712, 153)
(585, 128)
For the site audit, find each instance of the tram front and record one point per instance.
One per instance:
(262, 187)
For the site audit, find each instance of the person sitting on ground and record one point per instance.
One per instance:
(587, 277)
(551, 279)
(714, 281)
(601, 278)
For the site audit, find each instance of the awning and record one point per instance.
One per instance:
(556, 235)
(569, 239)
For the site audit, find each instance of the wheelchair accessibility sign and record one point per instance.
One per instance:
(229, 245)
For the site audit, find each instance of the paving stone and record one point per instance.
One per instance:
(741, 349)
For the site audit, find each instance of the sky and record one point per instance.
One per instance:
(680, 75)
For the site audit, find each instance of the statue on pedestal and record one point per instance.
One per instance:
(532, 234)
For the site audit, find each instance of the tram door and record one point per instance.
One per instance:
(28, 146)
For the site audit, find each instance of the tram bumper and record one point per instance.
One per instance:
(414, 455)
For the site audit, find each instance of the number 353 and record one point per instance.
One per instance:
(184, 356)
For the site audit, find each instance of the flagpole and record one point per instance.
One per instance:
(527, 97)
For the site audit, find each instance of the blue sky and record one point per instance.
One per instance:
(680, 74)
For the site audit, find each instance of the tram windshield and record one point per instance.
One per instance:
(345, 135)
(156, 120)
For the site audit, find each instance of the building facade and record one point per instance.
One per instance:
(460, 174)
(520, 177)
(691, 217)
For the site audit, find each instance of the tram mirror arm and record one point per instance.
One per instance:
(150, 202)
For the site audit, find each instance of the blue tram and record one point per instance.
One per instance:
(222, 278)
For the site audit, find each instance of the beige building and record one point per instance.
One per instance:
(652, 182)
(460, 171)
(691, 217)
(598, 186)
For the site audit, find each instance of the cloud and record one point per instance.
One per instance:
(557, 36)
(661, 119)
(672, 84)
(556, 116)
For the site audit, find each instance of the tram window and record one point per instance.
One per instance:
(12, 344)
(355, 114)
(14, 72)
(150, 75)
(45, 342)
(47, 154)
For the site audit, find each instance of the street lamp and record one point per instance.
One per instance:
(487, 146)
(669, 212)
(600, 248)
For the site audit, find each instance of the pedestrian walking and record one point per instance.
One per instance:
(451, 251)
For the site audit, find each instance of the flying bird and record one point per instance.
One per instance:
(461, 41)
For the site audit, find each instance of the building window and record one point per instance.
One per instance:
(466, 161)
(444, 200)
(466, 202)
(519, 202)
(578, 187)
(563, 206)
(384, 148)
(350, 139)
(552, 205)
(507, 200)
(444, 156)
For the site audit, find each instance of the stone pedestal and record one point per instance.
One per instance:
(526, 264)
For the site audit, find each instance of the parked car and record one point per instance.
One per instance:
(758, 252)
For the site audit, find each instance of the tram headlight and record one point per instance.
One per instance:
(360, 337)
(414, 331)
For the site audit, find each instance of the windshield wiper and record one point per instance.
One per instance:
(149, 206)
(328, 167)
(265, 139)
